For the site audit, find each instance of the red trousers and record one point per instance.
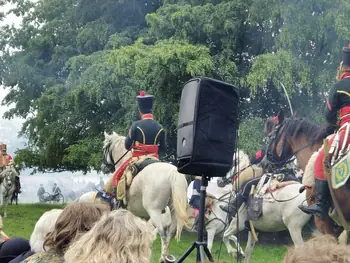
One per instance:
(319, 171)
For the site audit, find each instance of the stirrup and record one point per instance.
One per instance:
(307, 210)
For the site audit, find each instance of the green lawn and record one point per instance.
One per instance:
(22, 218)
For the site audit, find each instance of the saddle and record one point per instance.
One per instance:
(133, 169)
(256, 198)
(104, 197)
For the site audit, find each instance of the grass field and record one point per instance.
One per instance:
(22, 218)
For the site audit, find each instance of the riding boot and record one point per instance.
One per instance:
(232, 207)
(323, 200)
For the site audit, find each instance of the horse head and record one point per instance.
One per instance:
(240, 162)
(290, 138)
(9, 176)
(113, 150)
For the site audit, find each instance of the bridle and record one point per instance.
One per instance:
(278, 161)
(107, 151)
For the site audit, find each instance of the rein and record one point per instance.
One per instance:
(115, 163)
(273, 158)
(108, 151)
(280, 201)
(222, 198)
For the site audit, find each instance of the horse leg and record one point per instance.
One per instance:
(211, 234)
(295, 234)
(1, 198)
(157, 220)
(172, 228)
(230, 233)
(324, 225)
(6, 204)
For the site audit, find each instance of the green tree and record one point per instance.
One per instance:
(2, 3)
(75, 67)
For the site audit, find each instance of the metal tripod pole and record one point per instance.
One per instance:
(200, 244)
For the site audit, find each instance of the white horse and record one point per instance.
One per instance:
(217, 219)
(152, 191)
(7, 186)
(279, 212)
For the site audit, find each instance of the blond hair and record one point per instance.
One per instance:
(321, 249)
(75, 219)
(117, 237)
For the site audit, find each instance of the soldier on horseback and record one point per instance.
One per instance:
(146, 138)
(337, 114)
(244, 191)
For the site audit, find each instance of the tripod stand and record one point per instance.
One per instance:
(200, 244)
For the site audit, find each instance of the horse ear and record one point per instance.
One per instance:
(280, 116)
(105, 134)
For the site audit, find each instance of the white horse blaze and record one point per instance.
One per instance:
(152, 190)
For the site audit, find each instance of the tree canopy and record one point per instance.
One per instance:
(75, 67)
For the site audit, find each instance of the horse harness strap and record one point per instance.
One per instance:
(274, 151)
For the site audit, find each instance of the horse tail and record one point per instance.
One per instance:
(179, 198)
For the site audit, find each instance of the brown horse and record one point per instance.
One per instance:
(300, 138)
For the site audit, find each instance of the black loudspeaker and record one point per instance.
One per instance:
(207, 126)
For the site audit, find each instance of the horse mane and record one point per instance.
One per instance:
(115, 138)
(118, 145)
(297, 128)
(244, 160)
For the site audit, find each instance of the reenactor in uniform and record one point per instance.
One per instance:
(337, 114)
(146, 137)
(55, 190)
(4, 157)
(257, 158)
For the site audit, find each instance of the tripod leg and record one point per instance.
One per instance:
(188, 251)
(207, 252)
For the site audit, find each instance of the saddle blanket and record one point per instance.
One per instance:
(134, 167)
(275, 185)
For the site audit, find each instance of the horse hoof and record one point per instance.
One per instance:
(240, 257)
(167, 259)
(170, 259)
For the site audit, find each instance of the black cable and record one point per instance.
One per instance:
(236, 164)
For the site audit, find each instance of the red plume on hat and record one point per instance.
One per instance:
(145, 102)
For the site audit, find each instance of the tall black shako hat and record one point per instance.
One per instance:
(346, 56)
(145, 102)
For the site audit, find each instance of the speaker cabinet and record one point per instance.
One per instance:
(207, 126)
